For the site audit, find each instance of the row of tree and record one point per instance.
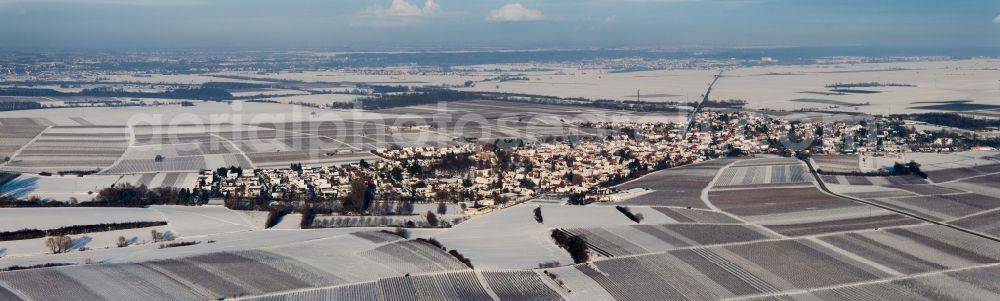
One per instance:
(954, 120)
(199, 93)
(73, 230)
(19, 105)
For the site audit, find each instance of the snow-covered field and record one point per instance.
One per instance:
(672, 248)
(12, 219)
(780, 87)
(92, 241)
(203, 220)
(200, 114)
(774, 87)
(663, 85)
(64, 187)
(507, 239)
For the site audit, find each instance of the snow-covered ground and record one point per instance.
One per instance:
(203, 220)
(12, 219)
(91, 241)
(200, 114)
(63, 188)
(506, 239)
(774, 87)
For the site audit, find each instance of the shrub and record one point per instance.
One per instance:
(547, 265)
(179, 244)
(560, 238)
(576, 245)
(399, 232)
(538, 214)
(461, 258)
(308, 218)
(628, 213)
(275, 215)
(442, 208)
(37, 266)
(433, 242)
(161, 236)
(578, 249)
(432, 219)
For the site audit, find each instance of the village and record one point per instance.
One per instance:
(581, 169)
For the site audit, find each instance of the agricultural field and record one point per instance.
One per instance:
(960, 190)
(62, 148)
(68, 187)
(920, 86)
(764, 172)
(970, 284)
(15, 134)
(771, 238)
(643, 239)
(837, 163)
(677, 187)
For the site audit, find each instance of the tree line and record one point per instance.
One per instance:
(953, 120)
(199, 93)
(123, 195)
(19, 105)
(73, 230)
(432, 95)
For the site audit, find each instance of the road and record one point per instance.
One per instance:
(701, 104)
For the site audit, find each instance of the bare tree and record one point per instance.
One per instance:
(59, 244)
(122, 242)
(157, 236)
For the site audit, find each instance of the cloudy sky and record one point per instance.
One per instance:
(355, 24)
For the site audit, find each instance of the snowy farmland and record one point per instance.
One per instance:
(796, 87)
(775, 235)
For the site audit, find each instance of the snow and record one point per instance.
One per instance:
(773, 86)
(564, 216)
(221, 242)
(505, 239)
(201, 114)
(843, 188)
(12, 219)
(188, 222)
(97, 240)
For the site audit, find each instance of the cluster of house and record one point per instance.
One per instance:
(878, 135)
(495, 175)
(506, 173)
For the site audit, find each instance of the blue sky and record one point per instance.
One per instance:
(338, 24)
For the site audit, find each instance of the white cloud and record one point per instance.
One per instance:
(514, 12)
(398, 13)
(402, 8)
(996, 20)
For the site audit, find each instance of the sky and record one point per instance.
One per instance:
(464, 24)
